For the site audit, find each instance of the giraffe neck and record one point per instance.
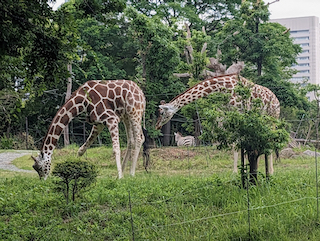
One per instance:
(204, 88)
(63, 117)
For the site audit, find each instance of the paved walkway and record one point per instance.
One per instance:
(7, 157)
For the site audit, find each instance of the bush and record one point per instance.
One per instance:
(6, 142)
(17, 142)
(75, 176)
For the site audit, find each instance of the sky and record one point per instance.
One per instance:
(294, 8)
(280, 9)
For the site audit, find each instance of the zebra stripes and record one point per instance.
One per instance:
(184, 141)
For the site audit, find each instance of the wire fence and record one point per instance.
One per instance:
(80, 132)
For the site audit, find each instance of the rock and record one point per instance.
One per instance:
(287, 153)
(310, 153)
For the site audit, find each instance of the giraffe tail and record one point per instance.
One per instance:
(144, 119)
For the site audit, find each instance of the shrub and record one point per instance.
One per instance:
(17, 142)
(6, 142)
(75, 176)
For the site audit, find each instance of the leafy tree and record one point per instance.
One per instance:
(266, 48)
(10, 108)
(75, 176)
(209, 13)
(65, 42)
(193, 47)
(157, 56)
(249, 129)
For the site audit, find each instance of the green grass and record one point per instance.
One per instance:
(195, 197)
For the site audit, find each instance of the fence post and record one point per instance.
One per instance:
(27, 133)
(131, 217)
(188, 160)
(248, 202)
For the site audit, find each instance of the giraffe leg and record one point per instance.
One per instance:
(138, 140)
(130, 143)
(114, 131)
(271, 170)
(95, 131)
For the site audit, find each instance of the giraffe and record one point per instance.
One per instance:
(105, 103)
(210, 85)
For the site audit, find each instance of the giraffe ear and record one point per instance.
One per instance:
(164, 107)
(35, 160)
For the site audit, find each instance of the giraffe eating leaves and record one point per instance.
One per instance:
(105, 103)
(270, 102)
(216, 84)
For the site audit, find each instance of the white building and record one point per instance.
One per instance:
(306, 32)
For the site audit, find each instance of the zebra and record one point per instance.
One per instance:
(184, 141)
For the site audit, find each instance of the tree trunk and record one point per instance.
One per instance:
(243, 178)
(166, 129)
(197, 130)
(267, 166)
(68, 95)
(253, 162)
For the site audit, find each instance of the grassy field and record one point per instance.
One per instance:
(186, 195)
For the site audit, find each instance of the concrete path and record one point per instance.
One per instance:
(6, 159)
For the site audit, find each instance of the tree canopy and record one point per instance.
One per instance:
(145, 41)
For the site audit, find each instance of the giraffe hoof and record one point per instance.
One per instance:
(81, 152)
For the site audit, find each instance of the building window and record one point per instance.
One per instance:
(303, 58)
(304, 71)
(304, 64)
(300, 78)
(305, 51)
(302, 38)
(299, 31)
(304, 44)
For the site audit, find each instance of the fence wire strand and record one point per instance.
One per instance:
(227, 214)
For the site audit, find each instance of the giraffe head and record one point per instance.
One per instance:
(42, 165)
(166, 112)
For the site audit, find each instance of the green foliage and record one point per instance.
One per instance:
(98, 9)
(246, 127)
(266, 48)
(208, 14)
(17, 142)
(10, 110)
(250, 129)
(75, 176)
(6, 142)
(157, 58)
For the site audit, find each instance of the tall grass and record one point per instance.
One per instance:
(182, 198)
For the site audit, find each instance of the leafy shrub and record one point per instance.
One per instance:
(17, 142)
(20, 142)
(6, 142)
(75, 176)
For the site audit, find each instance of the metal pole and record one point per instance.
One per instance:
(131, 217)
(316, 156)
(248, 202)
(27, 133)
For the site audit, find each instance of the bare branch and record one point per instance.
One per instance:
(189, 47)
(182, 75)
(188, 31)
(235, 68)
(216, 66)
(204, 48)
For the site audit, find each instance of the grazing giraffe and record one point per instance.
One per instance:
(210, 85)
(184, 140)
(106, 103)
